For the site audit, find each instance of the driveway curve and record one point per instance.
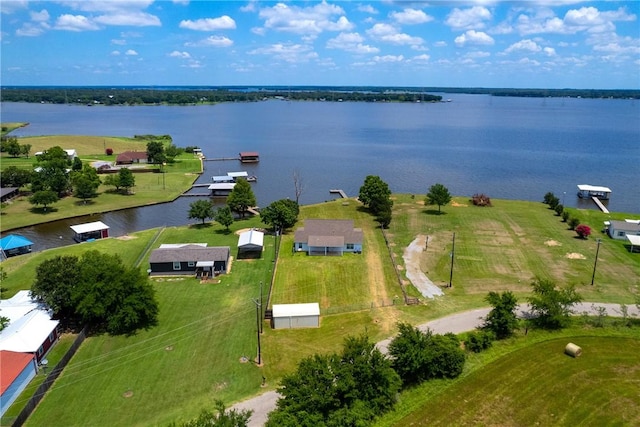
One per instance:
(456, 323)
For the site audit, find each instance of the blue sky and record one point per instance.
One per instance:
(483, 43)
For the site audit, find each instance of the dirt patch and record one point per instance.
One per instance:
(126, 237)
(458, 205)
(238, 232)
(169, 348)
(575, 255)
(128, 394)
(552, 243)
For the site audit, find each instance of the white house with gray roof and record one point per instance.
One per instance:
(328, 237)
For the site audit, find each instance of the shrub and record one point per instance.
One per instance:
(559, 209)
(478, 341)
(565, 216)
(583, 231)
(573, 223)
(108, 151)
(548, 197)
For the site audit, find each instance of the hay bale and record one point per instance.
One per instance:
(573, 350)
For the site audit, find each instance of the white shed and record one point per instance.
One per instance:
(251, 240)
(289, 316)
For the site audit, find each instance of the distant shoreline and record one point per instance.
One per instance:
(196, 95)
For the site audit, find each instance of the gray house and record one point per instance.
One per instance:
(328, 237)
(189, 259)
(621, 229)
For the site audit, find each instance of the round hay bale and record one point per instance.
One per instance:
(573, 350)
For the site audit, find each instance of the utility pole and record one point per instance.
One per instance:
(261, 316)
(595, 262)
(258, 304)
(453, 249)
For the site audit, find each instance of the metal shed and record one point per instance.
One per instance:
(289, 316)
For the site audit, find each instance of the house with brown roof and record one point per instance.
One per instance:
(189, 259)
(328, 237)
(131, 157)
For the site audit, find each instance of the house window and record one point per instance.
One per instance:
(40, 351)
(52, 336)
(191, 263)
(176, 265)
(621, 233)
(299, 245)
(349, 246)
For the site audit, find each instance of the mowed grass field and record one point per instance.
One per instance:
(540, 385)
(192, 357)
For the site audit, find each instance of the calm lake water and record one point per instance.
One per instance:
(511, 148)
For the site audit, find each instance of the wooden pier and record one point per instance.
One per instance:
(340, 192)
(220, 159)
(600, 205)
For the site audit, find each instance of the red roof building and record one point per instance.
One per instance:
(130, 157)
(17, 371)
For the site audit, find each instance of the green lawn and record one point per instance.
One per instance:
(192, 357)
(533, 382)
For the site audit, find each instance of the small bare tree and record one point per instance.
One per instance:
(298, 184)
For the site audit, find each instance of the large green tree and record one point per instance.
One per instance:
(280, 214)
(550, 305)
(44, 198)
(85, 182)
(224, 216)
(201, 209)
(241, 197)
(97, 289)
(222, 418)
(350, 388)
(418, 356)
(126, 180)
(13, 176)
(502, 320)
(372, 190)
(155, 152)
(438, 195)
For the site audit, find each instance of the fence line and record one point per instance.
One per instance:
(48, 382)
(407, 299)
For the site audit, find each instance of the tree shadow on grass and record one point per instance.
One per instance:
(201, 226)
(434, 212)
(84, 202)
(223, 231)
(43, 210)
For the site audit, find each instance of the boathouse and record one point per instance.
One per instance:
(586, 191)
(90, 231)
(328, 237)
(8, 193)
(249, 157)
(14, 244)
(221, 189)
(290, 316)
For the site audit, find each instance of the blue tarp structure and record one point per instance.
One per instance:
(13, 242)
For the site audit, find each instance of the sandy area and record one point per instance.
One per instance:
(411, 257)
(574, 255)
(552, 243)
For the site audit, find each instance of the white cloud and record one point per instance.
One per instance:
(131, 52)
(178, 54)
(389, 34)
(367, 9)
(210, 24)
(524, 45)
(575, 20)
(9, 7)
(421, 58)
(549, 51)
(213, 41)
(473, 18)
(351, 42)
(305, 20)
(136, 19)
(30, 30)
(118, 42)
(115, 53)
(475, 38)
(42, 16)
(440, 43)
(69, 22)
(389, 58)
(287, 52)
(411, 16)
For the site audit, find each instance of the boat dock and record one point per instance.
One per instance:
(600, 205)
(220, 159)
(340, 192)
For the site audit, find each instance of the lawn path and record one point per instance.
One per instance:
(455, 323)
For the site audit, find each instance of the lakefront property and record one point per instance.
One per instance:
(328, 237)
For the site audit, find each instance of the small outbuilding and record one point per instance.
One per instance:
(251, 241)
(290, 316)
(249, 157)
(90, 231)
(14, 244)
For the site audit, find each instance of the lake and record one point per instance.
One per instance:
(505, 147)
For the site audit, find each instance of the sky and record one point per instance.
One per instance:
(446, 43)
